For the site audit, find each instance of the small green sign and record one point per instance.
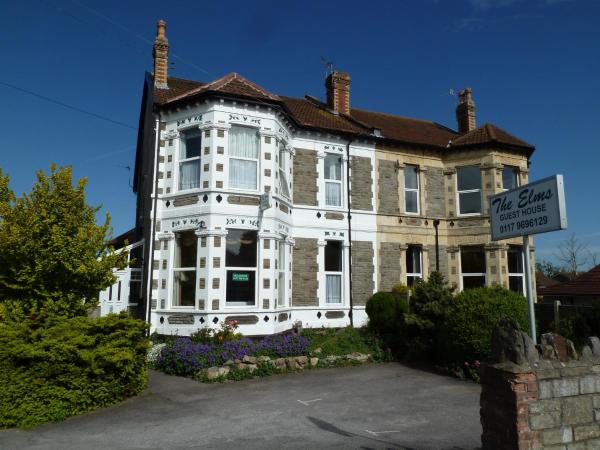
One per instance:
(240, 276)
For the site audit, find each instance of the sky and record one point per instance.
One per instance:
(533, 66)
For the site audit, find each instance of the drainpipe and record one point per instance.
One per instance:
(351, 313)
(436, 224)
(150, 262)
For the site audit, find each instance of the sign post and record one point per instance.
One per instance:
(535, 208)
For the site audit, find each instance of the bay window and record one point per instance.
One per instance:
(414, 264)
(281, 265)
(190, 146)
(240, 261)
(184, 268)
(333, 271)
(472, 266)
(283, 184)
(516, 273)
(469, 190)
(510, 177)
(244, 143)
(411, 190)
(333, 180)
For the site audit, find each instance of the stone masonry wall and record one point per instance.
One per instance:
(362, 183)
(362, 271)
(304, 273)
(443, 260)
(541, 397)
(389, 265)
(305, 177)
(388, 187)
(436, 199)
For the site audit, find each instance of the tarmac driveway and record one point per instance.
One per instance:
(375, 406)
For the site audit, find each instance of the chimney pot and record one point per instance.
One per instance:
(337, 86)
(160, 53)
(465, 111)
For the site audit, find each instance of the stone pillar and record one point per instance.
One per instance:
(453, 266)
(450, 184)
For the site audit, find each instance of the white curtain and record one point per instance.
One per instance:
(333, 167)
(333, 194)
(243, 142)
(334, 289)
(189, 174)
(242, 174)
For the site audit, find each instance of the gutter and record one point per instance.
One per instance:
(153, 224)
(348, 193)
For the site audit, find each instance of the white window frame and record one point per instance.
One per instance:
(516, 169)
(414, 274)
(471, 274)
(233, 305)
(182, 269)
(417, 190)
(241, 158)
(340, 182)
(179, 160)
(281, 274)
(468, 191)
(282, 167)
(339, 274)
(517, 274)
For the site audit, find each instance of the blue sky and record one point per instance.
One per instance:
(533, 66)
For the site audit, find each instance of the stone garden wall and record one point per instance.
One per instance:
(540, 397)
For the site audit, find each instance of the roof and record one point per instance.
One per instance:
(309, 112)
(542, 283)
(123, 239)
(587, 283)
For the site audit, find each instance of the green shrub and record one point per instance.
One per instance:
(385, 313)
(466, 333)
(400, 289)
(343, 341)
(68, 366)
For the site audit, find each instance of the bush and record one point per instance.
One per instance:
(466, 333)
(343, 341)
(68, 366)
(579, 327)
(400, 289)
(386, 313)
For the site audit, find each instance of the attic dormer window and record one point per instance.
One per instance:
(189, 159)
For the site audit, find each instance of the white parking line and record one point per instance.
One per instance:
(306, 402)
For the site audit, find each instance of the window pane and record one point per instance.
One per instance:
(469, 177)
(282, 164)
(184, 292)
(242, 174)
(334, 289)
(186, 245)
(469, 203)
(411, 199)
(189, 174)
(473, 282)
(333, 167)
(281, 290)
(333, 194)
(243, 142)
(515, 259)
(191, 144)
(135, 291)
(516, 284)
(241, 286)
(333, 256)
(411, 280)
(509, 177)
(411, 177)
(241, 248)
(283, 186)
(413, 259)
(472, 259)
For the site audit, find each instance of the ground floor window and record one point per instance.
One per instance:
(240, 260)
(184, 268)
(135, 286)
(472, 266)
(333, 271)
(281, 267)
(515, 269)
(414, 264)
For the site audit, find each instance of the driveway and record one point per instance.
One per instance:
(375, 406)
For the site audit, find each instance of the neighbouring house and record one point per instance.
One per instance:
(271, 209)
(543, 282)
(583, 290)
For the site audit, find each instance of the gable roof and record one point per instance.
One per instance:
(309, 112)
(587, 283)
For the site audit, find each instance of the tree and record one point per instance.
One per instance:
(54, 258)
(547, 268)
(573, 254)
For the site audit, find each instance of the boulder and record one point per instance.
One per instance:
(280, 363)
(314, 362)
(224, 371)
(212, 373)
(594, 344)
(558, 344)
(251, 367)
(292, 364)
(249, 359)
(302, 360)
(510, 344)
(318, 351)
(229, 362)
(264, 359)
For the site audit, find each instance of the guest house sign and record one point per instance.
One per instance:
(535, 208)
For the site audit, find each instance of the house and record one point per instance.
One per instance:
(583, 290)
(270, 209)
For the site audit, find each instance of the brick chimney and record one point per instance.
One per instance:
(160, 53)
(465, 111)
(337, 85)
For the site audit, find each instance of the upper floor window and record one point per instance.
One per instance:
(184, 268)
(244, 146)
(333, 271)
(189, 159)
(283, 184)
(414, 261)
(468, 180)
(510, 177)
(333, 180)
(411, 189)
(472, 266)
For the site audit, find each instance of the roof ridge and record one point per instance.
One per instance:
(489, 128)
(394, 115)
